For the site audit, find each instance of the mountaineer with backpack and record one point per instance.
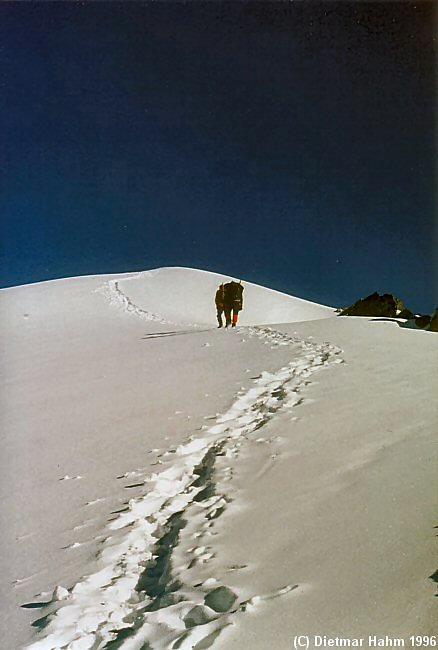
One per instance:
(229, 300)
(233, 302)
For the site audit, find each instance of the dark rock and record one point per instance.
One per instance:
(196, 616)
(423, 321)
(220, 599)
(433, 325)
(375, 305)
(399, 304)
(406, 313)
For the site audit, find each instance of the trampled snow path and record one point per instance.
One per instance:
(116, 297)
(144, 595)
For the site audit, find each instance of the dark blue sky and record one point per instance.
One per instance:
(291, 144)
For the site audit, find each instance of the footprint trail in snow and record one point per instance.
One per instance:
(146, 594)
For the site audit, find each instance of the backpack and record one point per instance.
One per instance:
(233, 294)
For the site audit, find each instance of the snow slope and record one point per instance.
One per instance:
(276, 472)
(186, 296)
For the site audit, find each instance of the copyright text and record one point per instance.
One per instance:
(316, 641)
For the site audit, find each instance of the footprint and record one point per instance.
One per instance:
(221, 599)
(35, 605)
(92, 503)
(256, 600)
(20, 581)
(118, 512)
(22, 538)
(132, 474)
(237, 567)
(88, 522)
(71, 546)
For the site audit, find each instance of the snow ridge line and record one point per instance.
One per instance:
(146, 591)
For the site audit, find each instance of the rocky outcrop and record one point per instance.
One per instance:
(385, 305)
(422, 322)
(433, 325)
(388, 306)
(406, 313)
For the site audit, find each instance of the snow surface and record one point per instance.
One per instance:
(185, 296)
(283, 473)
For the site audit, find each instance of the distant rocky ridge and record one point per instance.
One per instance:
(375, 305)
(388, 306)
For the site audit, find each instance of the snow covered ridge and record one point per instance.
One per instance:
(147, 591)
(186, 296)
